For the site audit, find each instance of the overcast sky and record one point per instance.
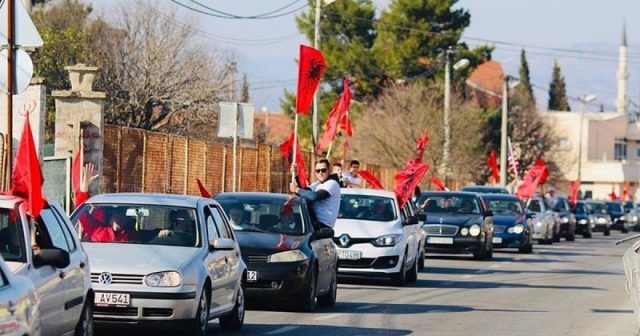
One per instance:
(266, 49)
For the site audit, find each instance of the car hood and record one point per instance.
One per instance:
(16, 267)
(452, 219)
(507, 220)
(137, 259)
(356, 228)
(267, 242)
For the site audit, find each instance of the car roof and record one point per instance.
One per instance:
(495, 196)
(450, 193)
(252, 195)
(369, 192)
(186, 201)
(9, 201)
(483, 187)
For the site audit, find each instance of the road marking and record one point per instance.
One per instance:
(282, 330)
(468, 276)
(495, 266)
(327, 317)
(369, 306)
(481, 271)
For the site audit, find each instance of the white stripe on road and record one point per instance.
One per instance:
(468, 276)
(282, 330)
(495, 266)
(367, 306)
(327, 317)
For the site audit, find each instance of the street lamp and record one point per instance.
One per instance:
(461, 64)
(509, 81)
(583, 100)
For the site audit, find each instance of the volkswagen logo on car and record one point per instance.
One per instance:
(105, 278)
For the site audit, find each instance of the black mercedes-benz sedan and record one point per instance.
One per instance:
(287, 258)
(457, 222)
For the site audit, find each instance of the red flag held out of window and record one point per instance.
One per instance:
(421, 143)
(26, 178)
(492, 162)
(574, 188)
(203, 190)
(438, 184)
(311, 67)
(371, 179)
(286, 148)
(337, 117)
(536, 175)
(407, 180)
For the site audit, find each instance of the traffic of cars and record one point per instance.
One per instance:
(180, 261)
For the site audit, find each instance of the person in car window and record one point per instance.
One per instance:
(106, 225)
(238, 218)
(323, 194)
(181, 229)
(10, 235)
(352, 177)
(378, 211)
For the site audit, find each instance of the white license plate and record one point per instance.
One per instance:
(439, 240)
(497, 240)
(112, 299)
(349, 255)
(252, 276)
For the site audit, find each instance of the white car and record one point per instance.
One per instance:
(542, 220)
(375, 237)
(179, 263)
(19, 312)
(58, 267)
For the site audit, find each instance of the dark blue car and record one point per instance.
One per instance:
(510, 228)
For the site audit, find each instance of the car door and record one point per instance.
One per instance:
(76, 273)
(232, 257)
(215, 263)
(410, 232)
(323, 250)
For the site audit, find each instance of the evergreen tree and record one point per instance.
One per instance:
(524, 88)
(558, 91)
(244, 94)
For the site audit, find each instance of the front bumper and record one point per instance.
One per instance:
(460, 244)
(374, 261)
(277, 281)
(509, 240)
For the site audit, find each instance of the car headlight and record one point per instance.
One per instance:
(621, 218)
(634, 218)
(565, 219)
(539, 223)
(474, 230)
(582, 221)
(601, 220)
(163, 279)
(518, 228)
(464, 231)
(288, 256)
(388, 240)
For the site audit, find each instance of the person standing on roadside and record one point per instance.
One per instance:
(352, 177)
(324, 195)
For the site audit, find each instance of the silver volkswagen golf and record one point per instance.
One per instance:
(161, 257)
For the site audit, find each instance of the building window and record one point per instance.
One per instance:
(638, 152)
(563, 143)
(620, 150)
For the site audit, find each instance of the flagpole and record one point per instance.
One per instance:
(329, 150)
(295, 146)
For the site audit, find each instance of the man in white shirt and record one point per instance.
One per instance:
(324, 195)
(352, 178)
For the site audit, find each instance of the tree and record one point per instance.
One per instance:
(557, 91)
(524, 87)
(244, 94)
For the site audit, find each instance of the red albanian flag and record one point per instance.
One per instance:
(407, 180)
(286, 148)
(536, 175)
(203, 190)
(438, 184)
(613, 195)
(371, 179)
(76, 170)
(26, 178)
(625, 192)
(574, 187)
(421, 143)
(336, 116)
(311, 68)
(492, 162)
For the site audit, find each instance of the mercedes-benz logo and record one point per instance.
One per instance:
(344, 240)
(441, 220)
(105, 278)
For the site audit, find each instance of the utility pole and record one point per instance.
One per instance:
(316, 45)
(232, 87)
(503, 131)
(447, 111)
(10, 86)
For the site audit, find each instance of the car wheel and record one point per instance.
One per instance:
(235, 319)
(421, 261)
(400, 278)
(198, 326)
(607, 232)
(329, 299)
(624, 230)
(85, 324)
(586, 235)
(571, 237)
(556, 237)
(526, 249)
(481, 254)
(412, 275)
(307, 302)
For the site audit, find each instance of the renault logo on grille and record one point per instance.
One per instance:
(105, 278)
(344, 240)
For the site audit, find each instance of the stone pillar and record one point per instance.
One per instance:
(80, 113)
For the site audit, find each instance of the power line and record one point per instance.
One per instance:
(238, 17)
(258, 16)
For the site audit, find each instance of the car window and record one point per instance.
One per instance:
(534, 205)
(367, 207)
(462, 204)
(12, 246)
(3, 279)
(561, 205)
(614, 207)
(505, 206)
(217, 218)
(212, 231)
(57, 235)
(263, 214)
(67, 232)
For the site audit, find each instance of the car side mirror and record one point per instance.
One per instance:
(323, 233)
(488, 213)
(54, 257)
(411, 220)
(221, 244)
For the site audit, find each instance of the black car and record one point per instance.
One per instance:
(567, 219)
(601, 217)
(618, 220)
(483, 189)
(287, 258)
(510, 227)
(457, 222)
(633, 215)
(584, 218)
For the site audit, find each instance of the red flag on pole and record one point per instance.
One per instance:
(203, 191)
(371, 179)
(421, 143)
(26, 178)
(407, 180)
(76, 170)
(311, 67)
(438, 184)
(336, 117)
(492, 162)
(286, 148)
(613, 195)
(345, 124)
(625, 193)
(537, 174)
(574, 187)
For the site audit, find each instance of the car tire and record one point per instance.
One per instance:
(235, 319)
(556, 237)
(400, 278)
(307, 302)
(412, 274)
(329, 299)
(586, 235)
(607, 232)
(526, 249)
(571, 237)
(85, 324)
(481, 254)
(624, 230)
(421, 262)
(198, 325)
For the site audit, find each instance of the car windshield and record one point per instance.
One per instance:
(367, 207)
(137, 224)
(629, 205)
(582, 208)
(534, 205)
(12, 245)
(505, 206)
(561, 205)
(598, 208)
(464, 204)
(486, 190)
(264, 215)
(614, 207)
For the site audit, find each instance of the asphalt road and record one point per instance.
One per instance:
(568, 288)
